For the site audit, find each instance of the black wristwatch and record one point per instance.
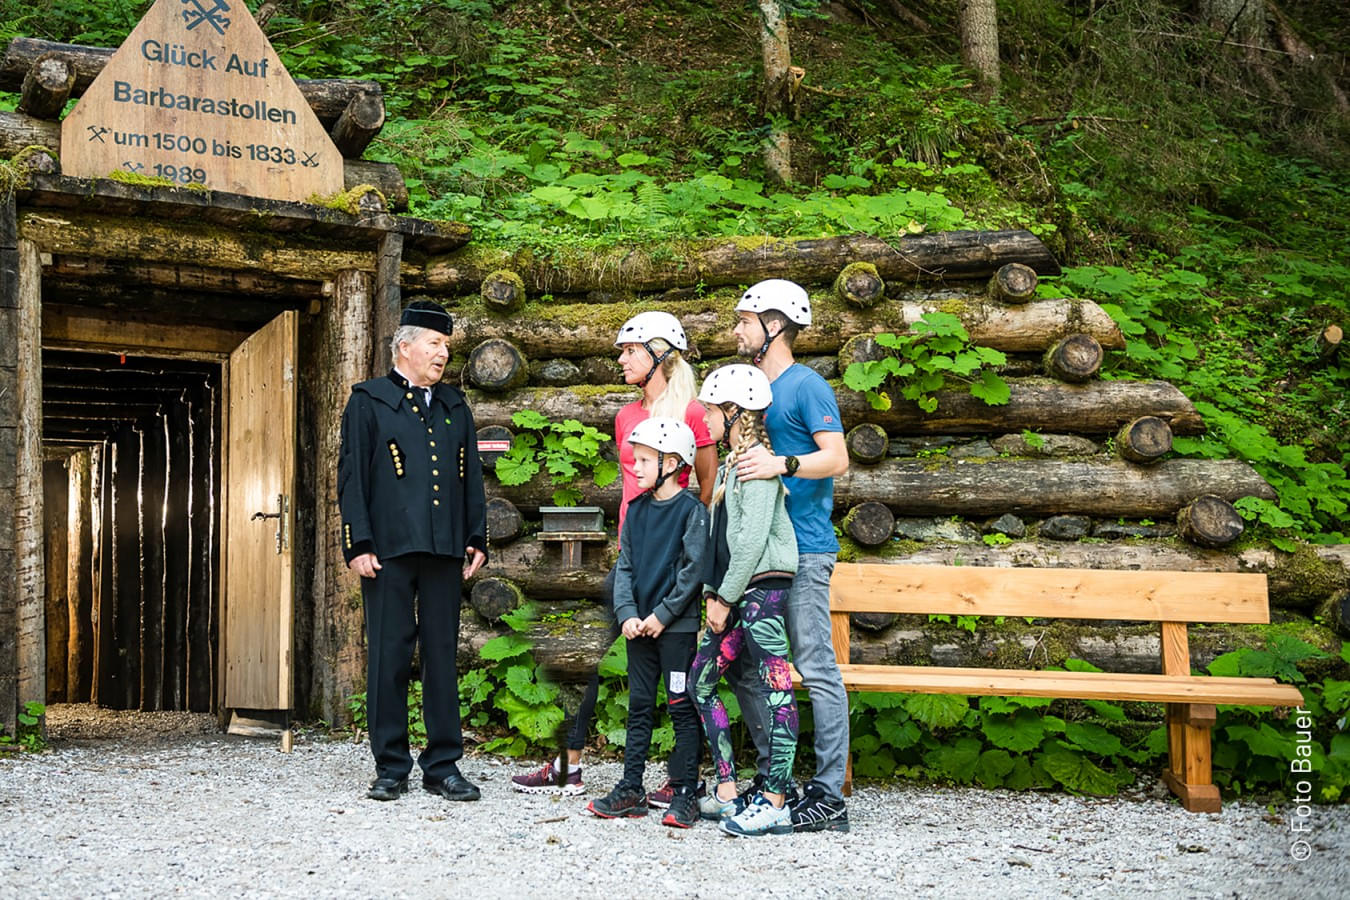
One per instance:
(790, 465)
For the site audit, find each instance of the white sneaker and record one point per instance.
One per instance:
(713, 807)
(759, 818)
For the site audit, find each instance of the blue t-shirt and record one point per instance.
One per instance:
(804, 404)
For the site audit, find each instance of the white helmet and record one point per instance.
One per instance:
(665, 435)
(787, 297)
(654, 324)
(745, 386)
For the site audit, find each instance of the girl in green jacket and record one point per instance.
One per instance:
(751, 559)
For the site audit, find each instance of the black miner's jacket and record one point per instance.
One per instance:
(409, 478)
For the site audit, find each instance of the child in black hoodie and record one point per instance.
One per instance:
(658, 576)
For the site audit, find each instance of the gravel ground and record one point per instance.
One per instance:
(136, 804)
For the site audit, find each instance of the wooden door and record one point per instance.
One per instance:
(258, 588)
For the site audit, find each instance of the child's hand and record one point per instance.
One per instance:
(652, 627)
(632, 628)
(718, 613)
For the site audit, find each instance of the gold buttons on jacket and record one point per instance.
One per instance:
(408, 395)
(435, 471)
(435, 503)
(435, 487)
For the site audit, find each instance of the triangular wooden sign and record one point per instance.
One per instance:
(196, 94)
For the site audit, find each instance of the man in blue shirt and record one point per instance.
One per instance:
(808, 440)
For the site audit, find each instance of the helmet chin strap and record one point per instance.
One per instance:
(727, 423)
(661, 468)
(657, 360)
(768, 339)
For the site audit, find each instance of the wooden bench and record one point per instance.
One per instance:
(1170, 598)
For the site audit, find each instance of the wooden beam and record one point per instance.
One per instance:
(69, 329)
(46, 86)
(27, 511)
(183, 243)
(361, 120)
(199, 279)
(1169, 597)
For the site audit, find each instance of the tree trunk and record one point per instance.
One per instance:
(1329, 342)
(715, 262)
(30, 606)
(1240, 21)
(1210, 521)
(580, 330)
(1075, 359)
(47, 86)
(1045, 487)
(360, 121)
(79, 582)
(342, 355)
(867, 443)
(869, 523)
(777, 55)
(1013, 283)
(1144, 440)
(979, 41)
(536, 567)
(496, 365)
(1097, 408)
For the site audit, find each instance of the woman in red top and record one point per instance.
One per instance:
(650, 345)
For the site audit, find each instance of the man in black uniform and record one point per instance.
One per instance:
(410, 486)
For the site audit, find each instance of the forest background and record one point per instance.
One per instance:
(1186, 161)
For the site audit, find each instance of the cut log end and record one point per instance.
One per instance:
(1210, 521)
(493, 598)
(496, 365)
(869, 523)
(504, 521)
(860, 285)
(1013, 283)
(1329, 341)
(47, 86)
(1076, 358)
(1145, 440)
(361, 120)
(867, 443)
(503, 291)
(490, 438)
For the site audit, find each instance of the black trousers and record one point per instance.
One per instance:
(581, 725)
(650, 662)
(393, 626)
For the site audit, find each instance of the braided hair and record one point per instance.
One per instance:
(752, 432)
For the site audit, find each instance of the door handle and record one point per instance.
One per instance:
(283, 534)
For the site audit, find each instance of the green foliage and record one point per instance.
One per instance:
(29, 733)
(920, 362)
(563, 449)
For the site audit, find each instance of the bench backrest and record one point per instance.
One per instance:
(1050, 593)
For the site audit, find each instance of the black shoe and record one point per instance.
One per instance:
(387, 788)
(622, 802)
(452, 787)
(816, 812)
(683, 809)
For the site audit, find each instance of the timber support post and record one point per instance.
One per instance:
(28, 520)
(9, 435)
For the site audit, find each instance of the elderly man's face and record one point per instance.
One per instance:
(423, 359)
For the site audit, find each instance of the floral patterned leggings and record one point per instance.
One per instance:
(757, 625)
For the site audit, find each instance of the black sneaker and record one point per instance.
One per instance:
(815, 812)
(622, 802)
(683, 810)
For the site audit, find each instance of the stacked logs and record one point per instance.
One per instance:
(47, 75)
(1072, 471)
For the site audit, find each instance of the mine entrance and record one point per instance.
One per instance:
(168, 482)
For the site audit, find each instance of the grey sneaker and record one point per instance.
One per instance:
(816, 812)
(713, 807)
(759, 818)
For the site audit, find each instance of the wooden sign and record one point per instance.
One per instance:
(196, 94)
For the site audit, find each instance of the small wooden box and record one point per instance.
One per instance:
(572, 518)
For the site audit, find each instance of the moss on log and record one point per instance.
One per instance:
(588, 329)
(948, 255)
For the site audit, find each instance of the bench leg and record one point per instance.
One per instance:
(1188, 772)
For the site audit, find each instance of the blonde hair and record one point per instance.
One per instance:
(752, 432)
(681, 389)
